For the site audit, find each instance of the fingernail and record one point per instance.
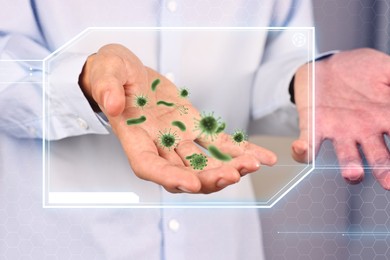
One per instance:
(106, 98)
(357, 181)
(183, 189)
(353, 172)
(298, 151)
(222, 183)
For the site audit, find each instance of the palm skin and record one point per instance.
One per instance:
(113, 78)
(352, 109)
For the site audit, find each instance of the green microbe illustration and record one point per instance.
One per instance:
(136, 121)
(141, 101)
(164, 103)
(207, 125)
(182, 109)
(217, 154)
(239, 136)
(220, 128)
(197, 161)
(180, 125)
(155, 83)
(184, 93)
(168, 139)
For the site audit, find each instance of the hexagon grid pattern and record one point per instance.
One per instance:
(324, 217)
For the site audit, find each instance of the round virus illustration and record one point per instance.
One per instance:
(197, 161)
(184, 93)
(141, 101)
(208, 125)
(168, 139)
(239, 137)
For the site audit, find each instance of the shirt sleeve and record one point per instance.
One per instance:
(287, 47)
(23, 52)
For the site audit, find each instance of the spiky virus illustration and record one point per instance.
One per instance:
(168, 139)
(239, 137)
(208, 125)
(141, 101)
(197, 161)
(184, 93)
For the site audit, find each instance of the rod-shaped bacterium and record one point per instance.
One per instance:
(217, 154)
(180, 125)
(220, 128)
(136, 121)
(164, 103)
(155, 83)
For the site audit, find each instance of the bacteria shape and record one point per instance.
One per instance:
(180, 125)
(184, 93)
(217, 154)
(154, 84)
(136, 121)
(168, 139)
(141, 101)
(197, 161)
(239, 137)
(208, 125)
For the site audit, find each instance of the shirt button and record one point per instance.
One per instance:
(170, 76)
(82, 123)
(174, 225)
(172, 6)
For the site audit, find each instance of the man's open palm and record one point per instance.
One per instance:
(115, 79)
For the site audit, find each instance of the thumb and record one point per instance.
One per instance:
(302, 148)
(110, 95)
(101, 81)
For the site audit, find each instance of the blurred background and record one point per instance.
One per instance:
(323, 217)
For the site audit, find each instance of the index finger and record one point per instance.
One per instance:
(225, 144)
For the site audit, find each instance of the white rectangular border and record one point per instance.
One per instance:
(269, 204)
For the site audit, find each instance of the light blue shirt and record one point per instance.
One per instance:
(257, 82)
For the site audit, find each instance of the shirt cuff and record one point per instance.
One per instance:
(68, 112)
(318, 58)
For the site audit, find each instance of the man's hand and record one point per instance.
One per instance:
(352, 109)
(114, 78)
